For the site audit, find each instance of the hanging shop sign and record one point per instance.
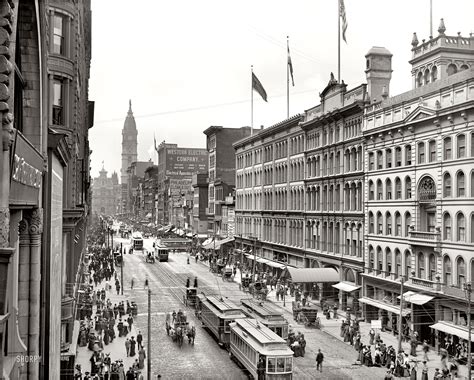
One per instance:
(26, 172)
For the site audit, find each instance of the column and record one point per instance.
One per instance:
(35, 230)
(23, 286)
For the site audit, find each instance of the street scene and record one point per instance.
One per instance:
(261, 189)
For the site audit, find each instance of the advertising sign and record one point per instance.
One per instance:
(376, 324)
(185, 162)
(26, 172)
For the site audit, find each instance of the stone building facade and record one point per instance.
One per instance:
(419, 201)
(44, 171)
(106, 194)
(129, 155)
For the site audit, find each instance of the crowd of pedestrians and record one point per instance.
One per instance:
(103, 321)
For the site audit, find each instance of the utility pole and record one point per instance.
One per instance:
(468, 290)
(254, 258)
(400, 316)
(148, 354)
(121, 268)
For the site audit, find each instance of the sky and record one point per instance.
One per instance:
(186, 64)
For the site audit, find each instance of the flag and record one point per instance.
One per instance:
(154, 139)
(257, 86)
(342, 14)
(290, 66)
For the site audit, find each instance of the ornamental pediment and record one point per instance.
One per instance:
(420, 112)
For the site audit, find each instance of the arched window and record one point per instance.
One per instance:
(388, 260)
(447, 226)
(398, 263)
(420, 265)
(447, 271)
(448, 148)
(452, 69)
(447, 192)
(388, 189)
(461, 227)
(371, 222)
(407, 188)
(461, 272)
(419, 79)
(398, 188)
(432, 267)
(408, 155)
(388, 158)
(379, 223)
(398, 224)
(432, 151)
(427, 189)
(388, 222)
(407, 264)
(434, 73)
(398, 156)
(421, 153)
(407, 223)
(427, 76)
(371, 191)
(379, 260)
(461, 184)
(371, 258)
(461, 146)
(379, 190)
(472, 182)
(379, 159)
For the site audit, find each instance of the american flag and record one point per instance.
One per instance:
(342, 14)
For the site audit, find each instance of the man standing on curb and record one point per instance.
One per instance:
(319, 361)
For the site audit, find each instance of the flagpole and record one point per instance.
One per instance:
(431, 18)
(339, 41)
(287, 79)
(251, 101)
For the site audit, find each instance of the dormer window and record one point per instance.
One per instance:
(434, 73)
(452, 69)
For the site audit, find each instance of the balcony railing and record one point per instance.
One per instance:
(425, 235)
(434, 285)
(67, 304)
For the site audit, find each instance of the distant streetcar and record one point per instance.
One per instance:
(137, 241)
(161, 251)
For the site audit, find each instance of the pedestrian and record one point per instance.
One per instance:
(132, 281)
(146, 283)
(133, 343)
(426, 349)
(424, 371)
(117, 286)
(127, 346)
(319, 361)
(371, 336)
(188, 281)
(141, 358)
(139, 339)
(130, 322)
(195, 282)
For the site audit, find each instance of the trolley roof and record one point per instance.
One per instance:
(261, 309)
(137, 235)
(260, 337)
(225, 306)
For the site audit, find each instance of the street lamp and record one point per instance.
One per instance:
(468, 290)
(400, 317)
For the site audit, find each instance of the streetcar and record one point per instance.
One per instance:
(255, 346)
(267, 315)
(176, 244)
(216, 315)
(161, 250)
(136, 241)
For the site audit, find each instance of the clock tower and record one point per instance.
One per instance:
(129, 143)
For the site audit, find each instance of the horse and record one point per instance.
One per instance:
(191, 334)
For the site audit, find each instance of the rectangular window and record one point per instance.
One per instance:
(58, 108)
(58, 34)
(408, 155)
(398, 156)
(421, 153)
(371, 161)
(461, 146)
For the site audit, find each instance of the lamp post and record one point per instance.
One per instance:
(400, 316)
(468, 290)
(121, 268)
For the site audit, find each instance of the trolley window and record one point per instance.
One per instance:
(271, 364)
(281, 364)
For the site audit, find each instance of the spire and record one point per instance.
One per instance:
(414, 41)
(441, 27)
(130, 106)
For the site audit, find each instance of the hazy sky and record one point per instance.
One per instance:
(185, 64)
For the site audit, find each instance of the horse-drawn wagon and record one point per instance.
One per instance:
(227, 273)
(177, 327)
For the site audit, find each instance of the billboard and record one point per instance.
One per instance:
(185, 161)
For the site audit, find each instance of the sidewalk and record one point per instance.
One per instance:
(116, 349)
(332, 327)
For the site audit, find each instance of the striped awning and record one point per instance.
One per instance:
(384, 306)
(451, 329)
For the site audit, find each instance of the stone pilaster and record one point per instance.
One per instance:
(23, 280)
(36, 231)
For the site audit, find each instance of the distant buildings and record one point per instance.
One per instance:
(106, 194)
(129, 155)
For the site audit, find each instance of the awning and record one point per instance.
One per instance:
(207, 241)
(275, 264)
(148, 215)
(346, 286)
(201, 236)
(223, 241)
(452, 330)
(299, 275)
(416, 298)
(262, 260)
(385, 306)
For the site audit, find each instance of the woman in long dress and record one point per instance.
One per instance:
(141, 358)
